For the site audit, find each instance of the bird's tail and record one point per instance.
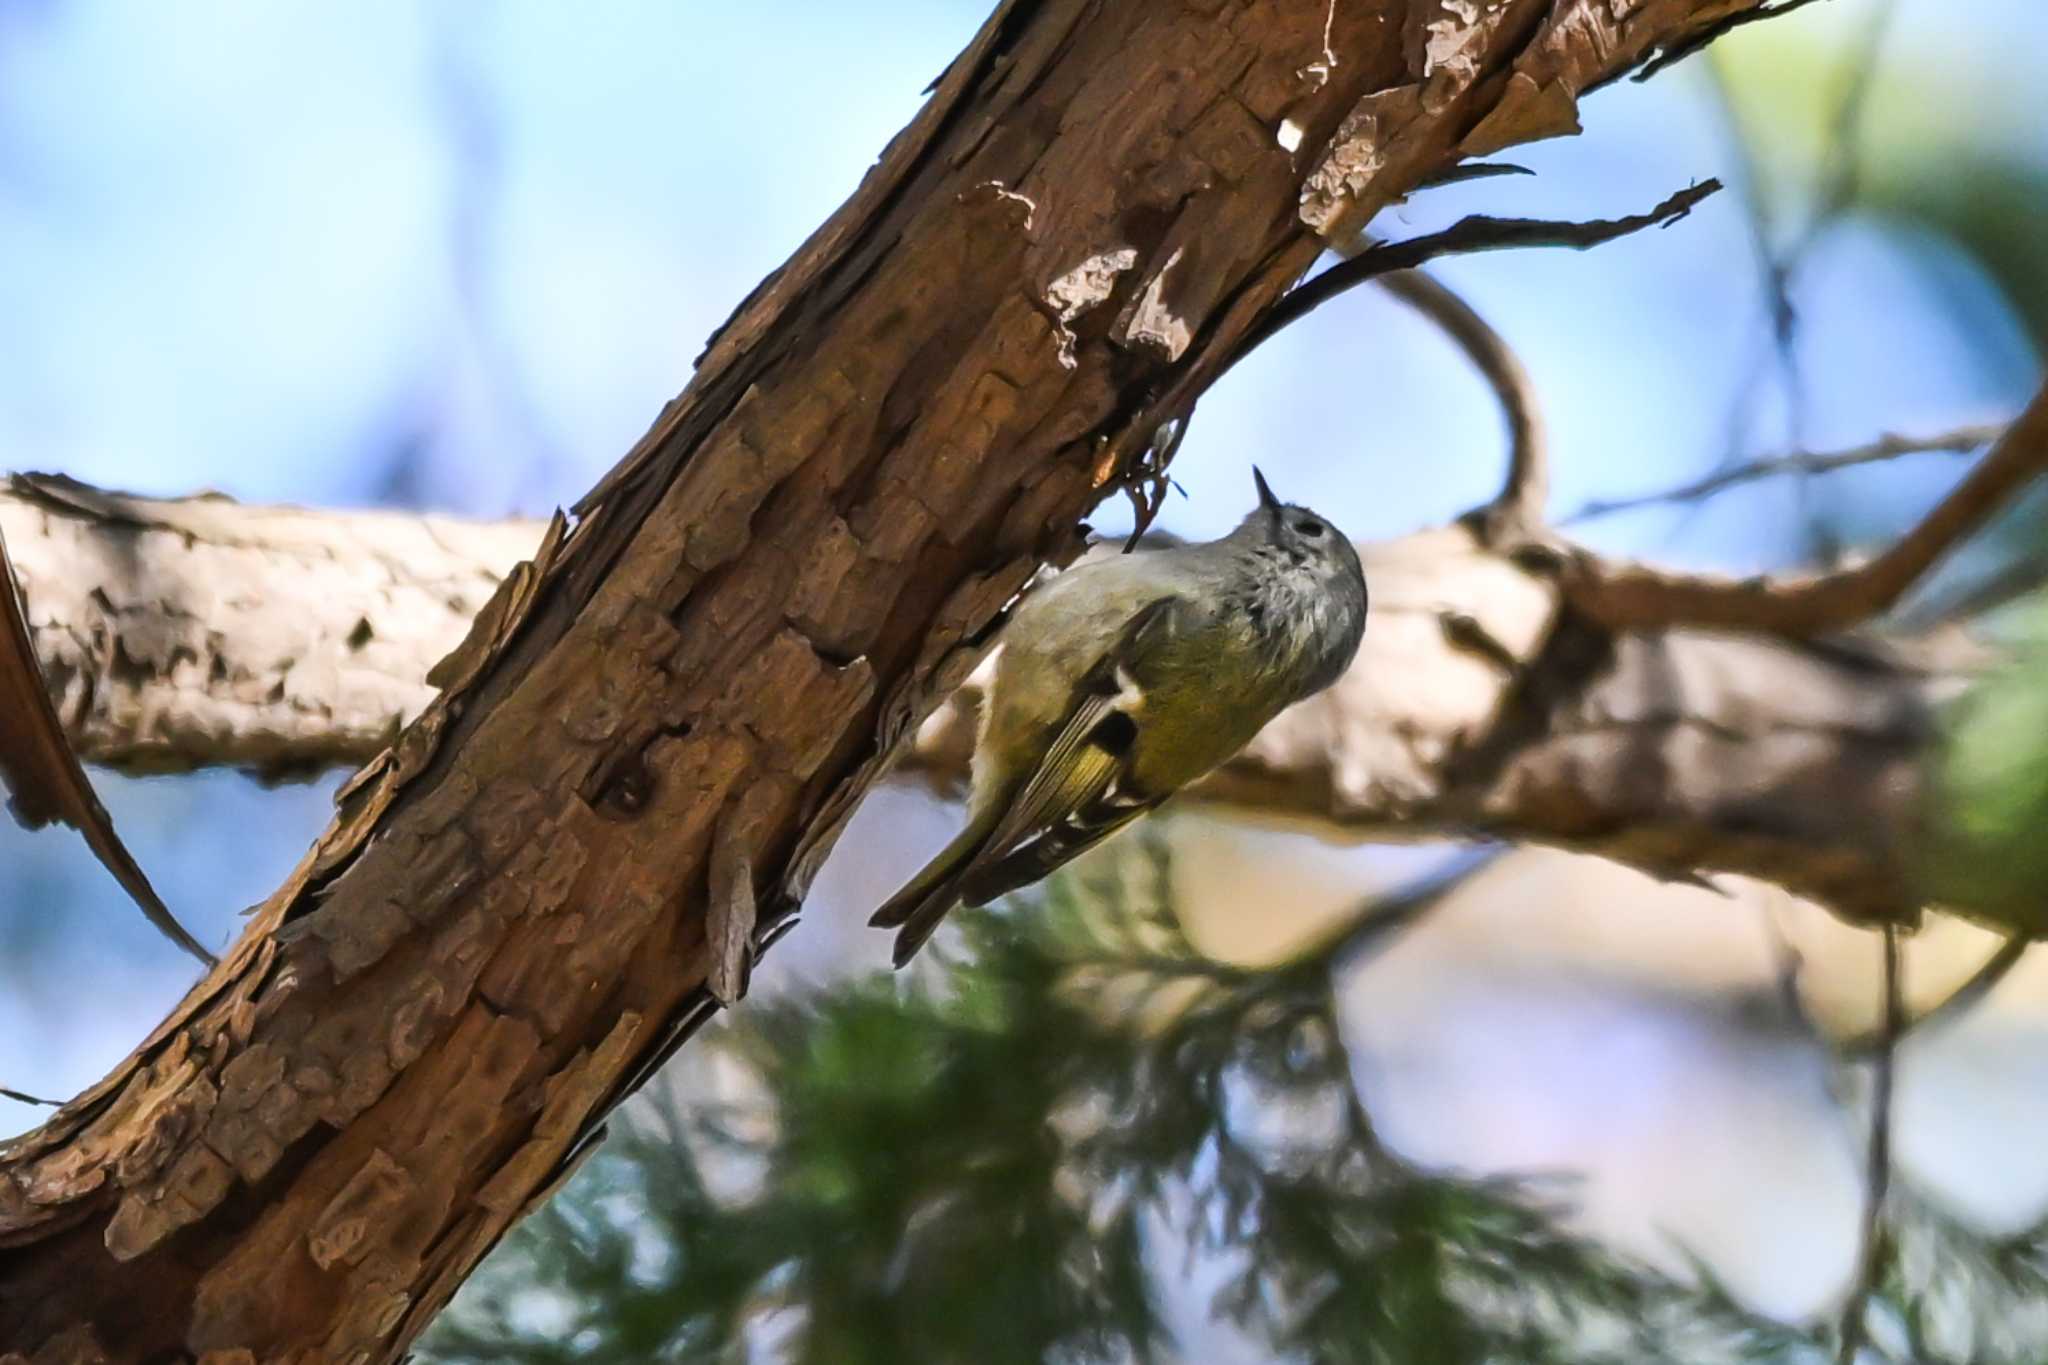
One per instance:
(925, 899)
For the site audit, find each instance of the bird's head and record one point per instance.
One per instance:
(1306, 538)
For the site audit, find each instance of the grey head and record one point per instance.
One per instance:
(1310, 585)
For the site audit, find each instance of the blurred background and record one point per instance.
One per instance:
(455, 258)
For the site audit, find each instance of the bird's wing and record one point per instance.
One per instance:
(1071, 801)
(1037, 857)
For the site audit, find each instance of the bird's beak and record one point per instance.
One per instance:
(1266, 498)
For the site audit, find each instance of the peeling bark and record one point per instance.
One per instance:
(508, 915)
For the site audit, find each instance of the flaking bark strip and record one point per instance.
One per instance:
(732, 913)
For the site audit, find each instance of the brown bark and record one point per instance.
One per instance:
(1678, 751)
(508, 913)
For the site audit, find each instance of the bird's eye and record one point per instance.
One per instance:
(1311, 529)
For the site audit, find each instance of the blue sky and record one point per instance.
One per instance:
(280, 250)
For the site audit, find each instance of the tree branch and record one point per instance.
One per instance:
(1959, 441)
(1527, 486)
(1950, 1007)
(1463, 645)
(1466, 236)
(1678, 51)
(1518, 511)
(198, 632)
(1634, 596)
(508, 918)
(1877, 1162)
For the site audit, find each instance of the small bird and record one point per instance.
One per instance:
(1126, 678)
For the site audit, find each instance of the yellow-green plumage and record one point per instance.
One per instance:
(1125, 678)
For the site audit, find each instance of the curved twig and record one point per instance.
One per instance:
(1527, 487)
(1475, 233)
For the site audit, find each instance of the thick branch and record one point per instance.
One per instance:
(199, 632)
(1657, 749)
(508, 918)
(1479, 706)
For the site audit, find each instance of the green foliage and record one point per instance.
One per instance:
(1949, 1293)
(1992, 802)
(1006, 1165)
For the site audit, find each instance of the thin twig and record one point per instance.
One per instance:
(20, 1098)
(1958, 1001)
(1633, 596)
(1841, 170)
(1960, 441)
(1471, 170)
(1780, 322)
(1527, 486)
(1467, 235)
(1837, 186)
(1472, 234)
(1791, 966)
(1385, 913)
(1678, 52)
(1877, 1171)
(1146, 482)
(1841, 182)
